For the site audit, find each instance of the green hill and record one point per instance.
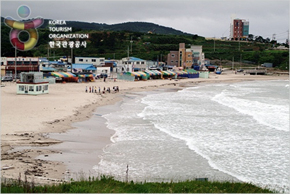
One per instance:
(113, 41)
(127, 26)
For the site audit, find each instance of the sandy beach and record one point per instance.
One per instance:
(26, 121)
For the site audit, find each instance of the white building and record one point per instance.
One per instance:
(105, 70)
(197, 54)
(133, 64)
(96, 61)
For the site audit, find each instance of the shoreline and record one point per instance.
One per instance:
(57, 119)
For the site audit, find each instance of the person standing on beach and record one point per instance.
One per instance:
(86, 89)
(99, 89)
(95, 89)
(90, 89)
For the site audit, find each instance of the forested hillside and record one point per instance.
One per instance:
(134, 37)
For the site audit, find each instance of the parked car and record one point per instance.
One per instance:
(240, 70)
(6, 79)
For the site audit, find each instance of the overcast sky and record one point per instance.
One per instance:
(208, 18)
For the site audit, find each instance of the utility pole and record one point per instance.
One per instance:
(240, 60)
(213, 44)
(288, 37)
(233, 63)
(239, 43)
(71, 59)
(48, 52)
(131, 41)
(15, 60)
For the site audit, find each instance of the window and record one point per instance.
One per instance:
(38, 88)
(137, 62)
(34, 62)
(81, 60)
(31, 88)
(94, 60)
(86, 60)
(21, 88)
(142, 63)
(101, 60)
(45, 87)
(26, 62)
(173, 55)
(171, 61)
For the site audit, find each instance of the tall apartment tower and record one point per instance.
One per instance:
(239, 29)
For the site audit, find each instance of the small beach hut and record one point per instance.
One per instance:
(32, 83)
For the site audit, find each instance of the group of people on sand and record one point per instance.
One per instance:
(93, 89)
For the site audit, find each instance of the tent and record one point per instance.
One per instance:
(138, 75)
(181, 73)
(153, 73)
(168, 73)
(62, 74)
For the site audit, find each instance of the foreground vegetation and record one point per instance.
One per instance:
(109, 185)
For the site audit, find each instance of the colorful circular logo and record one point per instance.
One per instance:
(28, 26)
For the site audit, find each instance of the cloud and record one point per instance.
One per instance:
(207, 18)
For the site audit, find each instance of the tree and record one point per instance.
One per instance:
(251, 37)
(259, 39)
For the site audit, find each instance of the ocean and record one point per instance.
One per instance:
(235, 131)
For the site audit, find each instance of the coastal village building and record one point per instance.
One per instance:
(23, 64)
(2, 66)
(186, 57)
(95, 61)
(32, 83)
(133, 64)
(239, 29)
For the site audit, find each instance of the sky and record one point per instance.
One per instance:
(207, 18)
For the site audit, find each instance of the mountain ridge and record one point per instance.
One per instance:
(136, 26)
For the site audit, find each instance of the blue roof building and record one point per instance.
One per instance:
(77, 67)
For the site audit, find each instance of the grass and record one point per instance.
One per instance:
(106, 184)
